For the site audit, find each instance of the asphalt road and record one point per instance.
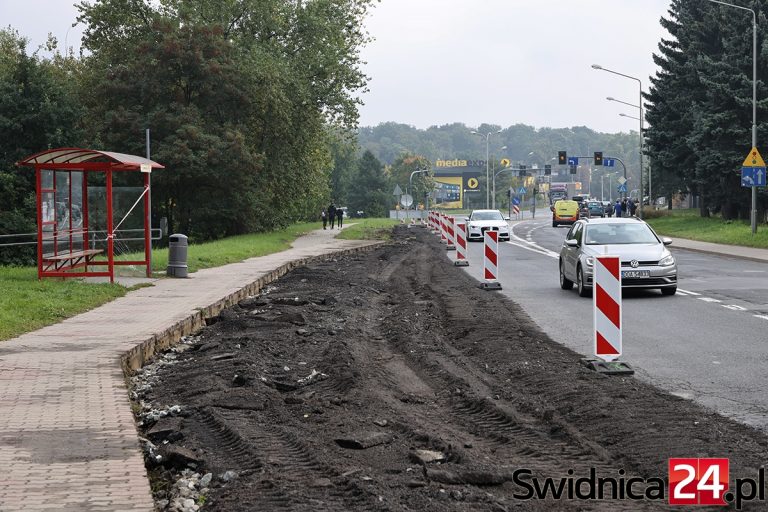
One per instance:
(708, 343)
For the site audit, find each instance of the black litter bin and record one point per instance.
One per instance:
(177, 256)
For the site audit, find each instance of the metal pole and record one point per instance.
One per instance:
(148, 214)
(487, 173)
(642, 169)
(754, 114)
(753, 210)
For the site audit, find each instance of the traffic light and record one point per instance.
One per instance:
(522, 173)
(598, 158)
(509, 193)
(547, 170)
(562, 158)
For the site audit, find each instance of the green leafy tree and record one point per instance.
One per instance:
(369, 193)
(239, 99)
(39, 109)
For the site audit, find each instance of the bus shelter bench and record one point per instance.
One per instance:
(71, 259)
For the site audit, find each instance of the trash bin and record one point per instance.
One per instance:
(177, 256)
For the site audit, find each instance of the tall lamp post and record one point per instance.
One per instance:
(487, 165)
(753, 212)
(410, 184)
(642, 170)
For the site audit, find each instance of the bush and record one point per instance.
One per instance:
(650, 213)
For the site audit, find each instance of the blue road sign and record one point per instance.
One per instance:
(515, 200)
(609, 162)
(747, 177)
(622, 188)
(522, 191)
(573, 160)
(753, 176)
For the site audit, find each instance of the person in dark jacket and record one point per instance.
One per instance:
(332, 213)
(339, 216)
(324, 217)
(632, 207)
(617, 209)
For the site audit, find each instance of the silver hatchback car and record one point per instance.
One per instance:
(645, 260)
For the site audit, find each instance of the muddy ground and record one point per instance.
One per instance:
(389, 381)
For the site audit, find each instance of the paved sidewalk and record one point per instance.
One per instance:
(737, 251)
(68, 440)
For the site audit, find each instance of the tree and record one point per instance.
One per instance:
(39, 109)
(370, 191)
(239, 100)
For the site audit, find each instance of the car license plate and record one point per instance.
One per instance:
(631, 274)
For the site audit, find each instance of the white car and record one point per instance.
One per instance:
(482, 220)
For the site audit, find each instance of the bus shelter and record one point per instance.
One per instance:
(66, 243)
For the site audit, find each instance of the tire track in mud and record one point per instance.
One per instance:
(277, 468)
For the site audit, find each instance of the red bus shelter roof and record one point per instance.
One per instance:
(66, 157)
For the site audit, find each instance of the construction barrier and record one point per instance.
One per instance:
(491, 261)
(460, 228)
(450, 234)
(443, 233)
(607, 307)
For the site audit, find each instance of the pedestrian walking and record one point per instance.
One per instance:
(624, 207)
(332, 213)
(632, 207)
(339, 216)
(324, 217)
(617, 209)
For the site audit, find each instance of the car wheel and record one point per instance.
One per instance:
(565, 283)
(669, 291)
(554, 224)
(584, 291)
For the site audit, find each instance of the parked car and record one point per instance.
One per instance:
(481, 221)
(645, 260)
(564, 212)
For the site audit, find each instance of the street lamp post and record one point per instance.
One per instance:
(753, 212)
(487, 166)
(642, 169)
(410, 184)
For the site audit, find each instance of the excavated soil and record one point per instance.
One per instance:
(389, 381)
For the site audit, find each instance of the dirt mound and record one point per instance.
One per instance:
(390, 381)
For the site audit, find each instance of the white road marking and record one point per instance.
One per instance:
(681, 292)
(753, 271)
(524, 244)
(708, 299)
(764, 317)
(687, 292)
(734, 307)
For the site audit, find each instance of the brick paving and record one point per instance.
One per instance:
(68, 439)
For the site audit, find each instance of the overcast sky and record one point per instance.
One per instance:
(474, 61)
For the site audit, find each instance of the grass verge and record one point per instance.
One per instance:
(27, 304)
(689, 224)
(368, 229)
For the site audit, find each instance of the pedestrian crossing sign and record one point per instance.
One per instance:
(754, 159)
(622, 188)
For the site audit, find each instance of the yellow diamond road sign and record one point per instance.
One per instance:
(505, 162)
(754, 159)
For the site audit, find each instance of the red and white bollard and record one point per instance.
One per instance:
(491, 261)
(450, 234)
(607, 307)
(443, 234)
(606, 299)
(460, 228)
